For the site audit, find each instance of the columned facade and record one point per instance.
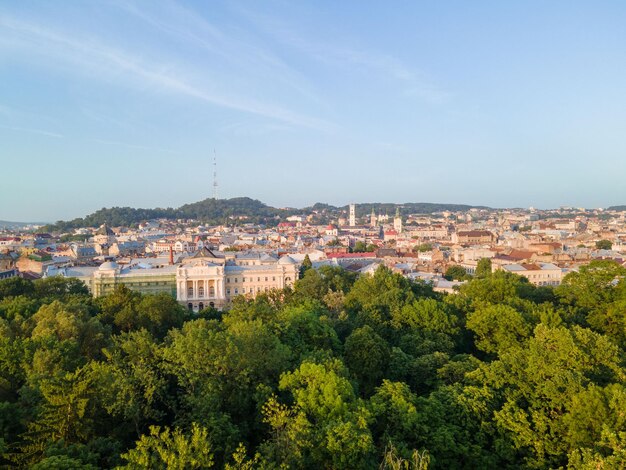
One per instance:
(201, 282)
(200, 285)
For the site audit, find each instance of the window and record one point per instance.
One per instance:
(258, 279)
(228, 280)
(228, 291)
(265, 278)
(236, 291)
(273, 278)
(235, 280)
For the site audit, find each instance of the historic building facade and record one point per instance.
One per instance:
(202, 280)
(144, 278)
(213, 282)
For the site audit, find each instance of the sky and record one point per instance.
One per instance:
(121, 103)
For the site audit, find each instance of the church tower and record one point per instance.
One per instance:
(397, 221)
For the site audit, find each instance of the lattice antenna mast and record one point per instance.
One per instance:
(215, 193)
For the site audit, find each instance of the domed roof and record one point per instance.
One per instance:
(108, 266)
(286, 260)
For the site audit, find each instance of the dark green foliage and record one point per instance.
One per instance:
(340, 372)
(456, 273)
(15, 286)
(306, 265)
(483, 268)
(362, 247)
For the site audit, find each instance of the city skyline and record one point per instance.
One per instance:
(122, 104)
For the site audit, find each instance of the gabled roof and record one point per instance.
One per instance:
(203, 253)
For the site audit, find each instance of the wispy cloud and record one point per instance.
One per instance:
(133, 146)
(248, 129)
(95, 57)
(247, 54)
(56, 135)
(339, 54)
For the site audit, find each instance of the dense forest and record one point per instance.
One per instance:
(339, 372)
(220, 211)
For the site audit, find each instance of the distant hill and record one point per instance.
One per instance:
(209, 210)
(405, 209)
(217, 211)
(617, 208)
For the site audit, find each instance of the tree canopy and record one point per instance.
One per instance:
(344, 372)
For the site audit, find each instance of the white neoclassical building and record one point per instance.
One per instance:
(202, 280)
(206, 280)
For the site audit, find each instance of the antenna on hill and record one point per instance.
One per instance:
(215, 195)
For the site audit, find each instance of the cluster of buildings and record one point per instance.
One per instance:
(204, 266)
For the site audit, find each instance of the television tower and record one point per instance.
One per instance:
(215, 194)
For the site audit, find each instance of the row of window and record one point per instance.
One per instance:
(243, 290)
(250, 279)
(148, 283)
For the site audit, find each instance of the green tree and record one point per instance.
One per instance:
(557, 394)
(359, 247)
(131, 384)
(604, 244)
(14, 286)
(498, 327)
(373, 298)
(327, 425)
(396, 417)
(593, 286)
(306, 265)
(483, 268)
(171, 450)
(367, 355)
(310, 286)
(59, 287)
(64, 415)
(456, 273)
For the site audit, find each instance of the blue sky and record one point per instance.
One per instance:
(496, 103)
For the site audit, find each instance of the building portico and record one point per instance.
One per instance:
(201, 284)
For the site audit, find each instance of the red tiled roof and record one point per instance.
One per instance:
(475, 233)
(351, 255)
(531, 267)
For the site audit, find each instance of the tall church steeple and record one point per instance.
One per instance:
(397, 221)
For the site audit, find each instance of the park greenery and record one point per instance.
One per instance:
(340, 372)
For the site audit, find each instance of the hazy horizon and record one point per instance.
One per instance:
(339, 204)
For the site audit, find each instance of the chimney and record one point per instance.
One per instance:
(171, 256)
